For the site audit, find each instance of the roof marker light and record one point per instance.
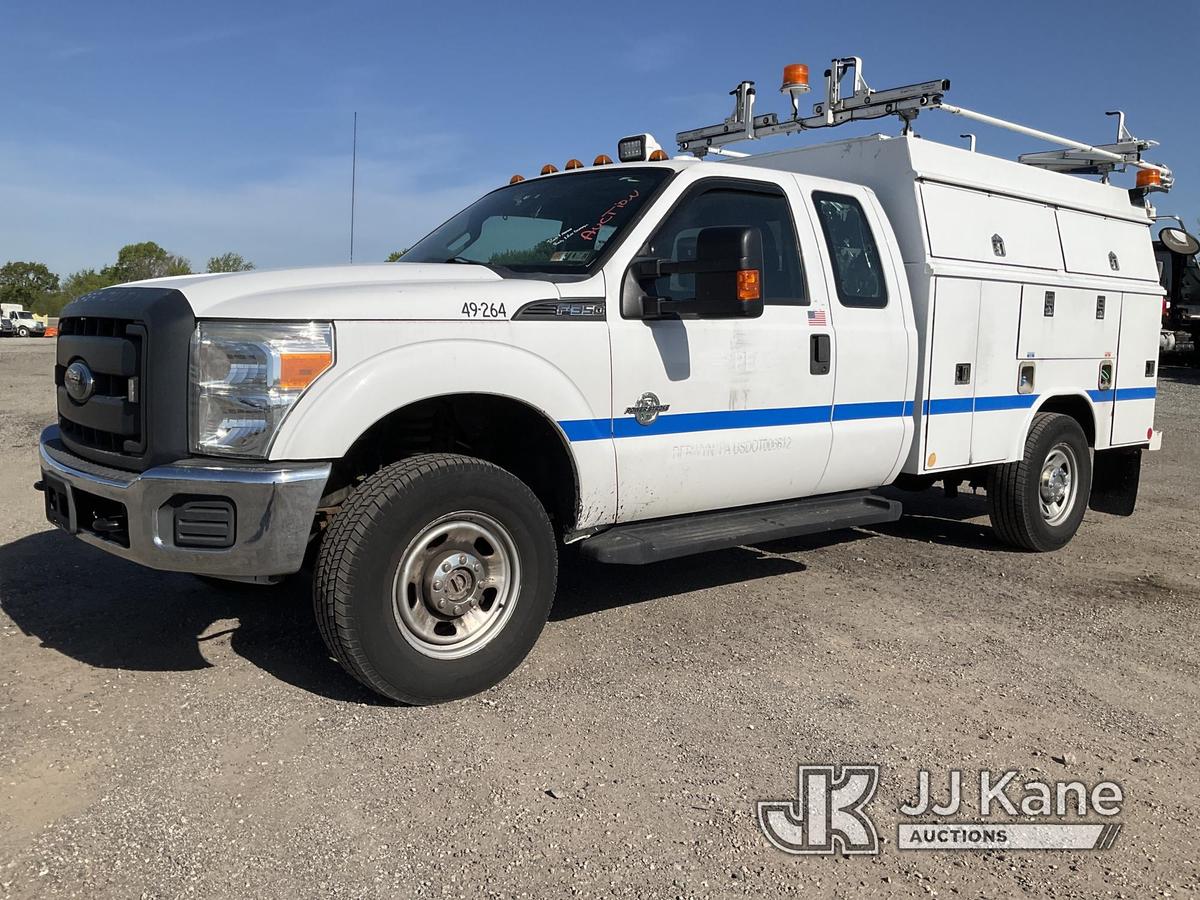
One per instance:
(658, 155)
(602, 160)
(573, 164)
(549, 169)
(516, 179)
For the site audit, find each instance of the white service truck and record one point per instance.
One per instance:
(648, 359)
(24, 323)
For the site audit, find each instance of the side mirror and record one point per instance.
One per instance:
(728, 270)
(1179, 241)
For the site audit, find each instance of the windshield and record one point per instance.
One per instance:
(22, 314)
(557, 224)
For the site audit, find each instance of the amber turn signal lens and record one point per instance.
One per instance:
(298, 370)
(516, 178)
(602, 160)
(574, 164)
(749, 287)
(549, 169)
(1149, 178)
(658, 156)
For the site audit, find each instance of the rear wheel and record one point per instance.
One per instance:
(435, 578)
(1038, 503)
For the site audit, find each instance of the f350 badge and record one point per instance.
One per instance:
(646, 410)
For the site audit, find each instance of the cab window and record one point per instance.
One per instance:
(856, 268)
(765, 209)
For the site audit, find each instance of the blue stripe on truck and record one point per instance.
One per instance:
(731, 419)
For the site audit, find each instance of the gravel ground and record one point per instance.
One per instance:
(159, 737)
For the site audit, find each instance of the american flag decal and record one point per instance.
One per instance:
(816, 318)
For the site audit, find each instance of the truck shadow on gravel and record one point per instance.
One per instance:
(111, 614)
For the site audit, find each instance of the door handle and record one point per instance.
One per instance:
(818, 359)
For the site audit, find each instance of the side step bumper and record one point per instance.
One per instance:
(646, 542)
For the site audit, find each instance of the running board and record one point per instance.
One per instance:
(646, 542)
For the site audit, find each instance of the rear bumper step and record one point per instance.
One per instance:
(646, 542)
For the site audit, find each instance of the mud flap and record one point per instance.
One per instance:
(1115, 476)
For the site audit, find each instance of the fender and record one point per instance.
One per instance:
(1017, 450)
(341, 405)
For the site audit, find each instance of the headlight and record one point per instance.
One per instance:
(244, 378)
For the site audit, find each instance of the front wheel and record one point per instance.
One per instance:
(22, 331)
(435, 578)
(1038, 503)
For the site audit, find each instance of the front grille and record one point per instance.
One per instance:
(111, 420)
(134, 341)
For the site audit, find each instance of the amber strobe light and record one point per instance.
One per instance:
(573, 164)
(549, 169)
(658, 156)
(795, 79)
(602, 160)
(749, 287)
(516, 178)
(1149, 178)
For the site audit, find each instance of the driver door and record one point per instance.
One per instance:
(710, 413)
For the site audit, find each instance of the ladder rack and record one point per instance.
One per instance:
(906, 102)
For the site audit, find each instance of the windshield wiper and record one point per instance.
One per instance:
(465, 261)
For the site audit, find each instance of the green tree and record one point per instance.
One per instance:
(136, 262)
(26, 282)
(395, 255)
(229, 262)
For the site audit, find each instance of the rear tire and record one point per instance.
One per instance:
(1037, 503)
(435, 578)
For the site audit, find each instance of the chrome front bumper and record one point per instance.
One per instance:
(131, 514)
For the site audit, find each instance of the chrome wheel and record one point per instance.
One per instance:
(456, 585)
(1058, 484)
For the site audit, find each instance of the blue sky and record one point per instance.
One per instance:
(226, 126)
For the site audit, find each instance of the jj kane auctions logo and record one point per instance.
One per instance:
(829, 814)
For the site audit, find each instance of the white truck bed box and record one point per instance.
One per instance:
(1008, 263)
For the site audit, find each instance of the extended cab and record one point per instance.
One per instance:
(647, 359)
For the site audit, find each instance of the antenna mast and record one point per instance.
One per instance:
(353, 180)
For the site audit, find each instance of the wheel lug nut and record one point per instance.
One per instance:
(458, 610)
(442, 605)
(478, 568)
(445, 567)
(437, 585)
(462, 560)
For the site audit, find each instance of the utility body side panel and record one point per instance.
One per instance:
(1008, 266)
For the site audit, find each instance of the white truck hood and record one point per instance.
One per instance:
(391, 291)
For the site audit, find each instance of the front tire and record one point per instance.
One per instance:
(22, 331)
(1037, 503)
(435, 578)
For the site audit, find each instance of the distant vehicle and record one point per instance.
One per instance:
(7, 329)
(23, 321)
(1179, 273)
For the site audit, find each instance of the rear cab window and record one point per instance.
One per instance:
(858, 274)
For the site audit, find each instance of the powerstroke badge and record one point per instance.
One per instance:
(646, 410)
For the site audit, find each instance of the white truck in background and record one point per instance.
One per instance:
(648, 359)
(24, 323)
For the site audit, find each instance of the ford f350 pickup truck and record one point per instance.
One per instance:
(649, 358)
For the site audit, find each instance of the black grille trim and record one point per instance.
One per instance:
(135, 342)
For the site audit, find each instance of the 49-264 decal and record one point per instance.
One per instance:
(482, 309)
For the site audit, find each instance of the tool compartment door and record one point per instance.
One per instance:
(1068, 323)
(951, 382)
(1096, 245)
(981, 227)
(1137, 369)
(999, 410)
